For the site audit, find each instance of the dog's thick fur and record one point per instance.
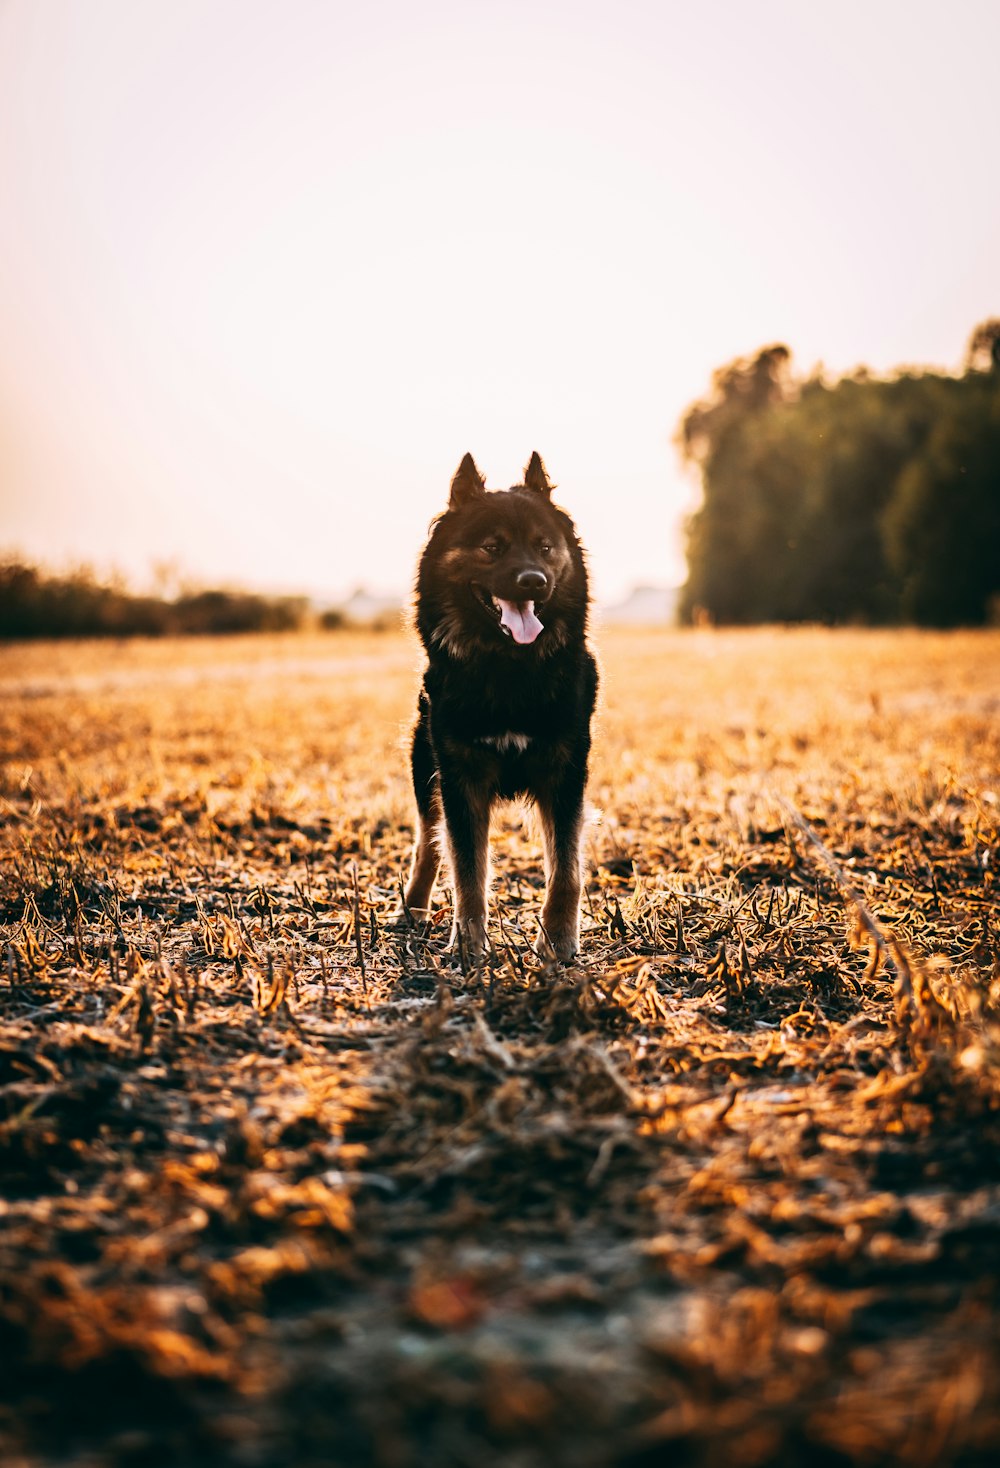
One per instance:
(507, 698)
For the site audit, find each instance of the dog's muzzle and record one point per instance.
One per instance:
(532, 582)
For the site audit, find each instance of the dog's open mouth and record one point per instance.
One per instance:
(517, 618)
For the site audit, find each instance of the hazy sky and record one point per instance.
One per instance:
(267, 270)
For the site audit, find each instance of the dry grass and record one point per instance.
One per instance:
(282, 1187)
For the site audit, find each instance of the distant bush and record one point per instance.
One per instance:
(229, 611)
(34, 604)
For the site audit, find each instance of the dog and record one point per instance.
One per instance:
(507, 699)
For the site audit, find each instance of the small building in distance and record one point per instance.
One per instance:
(364, 608)
(645, 606)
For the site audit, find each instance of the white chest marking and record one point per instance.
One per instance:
(502, 742)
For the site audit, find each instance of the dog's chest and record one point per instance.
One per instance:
(504, 743)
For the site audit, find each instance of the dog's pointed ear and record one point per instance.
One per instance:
(467, 484)
(535, 476)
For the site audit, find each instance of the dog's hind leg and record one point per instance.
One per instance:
(560, 807)
(426, 852)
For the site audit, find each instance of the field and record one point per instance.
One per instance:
(280, 1184)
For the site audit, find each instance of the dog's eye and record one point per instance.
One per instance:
(491, 548)
(545, 548)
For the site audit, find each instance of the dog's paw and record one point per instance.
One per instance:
(468, 938)
(562, 944)
(408, 919)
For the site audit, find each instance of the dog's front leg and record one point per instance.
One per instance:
(426, 856)
(425, 863)
(560, 807)
(467, 828)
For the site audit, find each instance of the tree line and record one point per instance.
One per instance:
(866, 500)
(35, 604)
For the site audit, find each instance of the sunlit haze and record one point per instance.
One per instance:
(267, 270)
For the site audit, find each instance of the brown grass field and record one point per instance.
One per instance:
(281, 1185)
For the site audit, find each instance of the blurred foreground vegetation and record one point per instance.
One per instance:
(864, 500)
(280, 1184)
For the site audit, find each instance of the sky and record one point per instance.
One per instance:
(268, 268)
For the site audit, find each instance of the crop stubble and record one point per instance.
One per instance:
(282, 1185)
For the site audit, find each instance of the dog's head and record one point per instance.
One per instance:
(501, 567)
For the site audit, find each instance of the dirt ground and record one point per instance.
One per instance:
(280, 1184)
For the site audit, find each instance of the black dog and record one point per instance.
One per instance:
(507, 697)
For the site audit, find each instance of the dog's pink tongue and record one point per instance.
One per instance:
(520, 620)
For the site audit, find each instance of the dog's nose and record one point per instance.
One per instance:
(532, 580)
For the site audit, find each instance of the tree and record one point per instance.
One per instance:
(867, 499)
(943, 526)
(715, 435)
(983, 352)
